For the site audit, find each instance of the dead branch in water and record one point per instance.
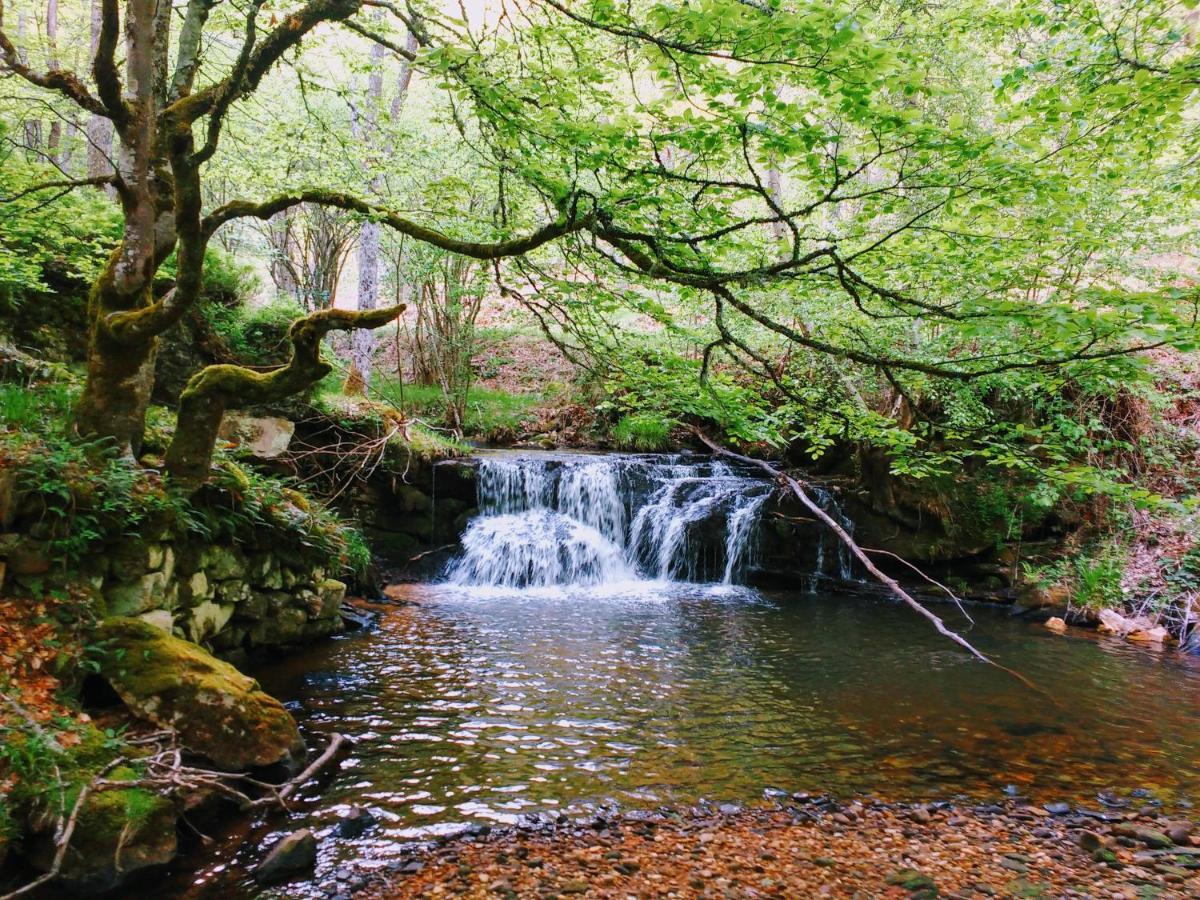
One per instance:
(886, 580)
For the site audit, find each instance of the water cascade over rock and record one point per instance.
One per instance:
(582, 519)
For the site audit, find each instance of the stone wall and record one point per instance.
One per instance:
(226, 596)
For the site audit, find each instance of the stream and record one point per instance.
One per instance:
(593, 648)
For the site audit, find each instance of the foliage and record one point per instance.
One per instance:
(485, 413)
(84, 494)
(255, 331)
(67, 240)
(643, 431)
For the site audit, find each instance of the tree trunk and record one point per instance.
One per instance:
(54, 138)
(121, 360)
(362, 348)
(33, 126)
(214, 389)
(99, 128)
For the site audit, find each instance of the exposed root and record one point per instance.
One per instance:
(166, 773)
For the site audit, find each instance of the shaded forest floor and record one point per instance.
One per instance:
(817, 849)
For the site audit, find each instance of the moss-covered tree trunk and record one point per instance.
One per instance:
(214, 389)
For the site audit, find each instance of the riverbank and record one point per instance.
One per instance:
(814, 846)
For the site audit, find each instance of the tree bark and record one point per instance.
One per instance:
(99, 128)
(54, 137)
(121, 360)
(214, 389)
(33, 126)
(362, 345)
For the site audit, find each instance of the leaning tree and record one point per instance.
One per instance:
(922, 191)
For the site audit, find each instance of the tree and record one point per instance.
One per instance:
(156, 110)
(959, 179)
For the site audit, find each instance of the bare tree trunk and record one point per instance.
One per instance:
(33, 126)
(283, 272)
(779, 230)
(362, 343)
(54, 138)
(99, 128)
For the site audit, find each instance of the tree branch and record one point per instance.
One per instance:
(569, 222)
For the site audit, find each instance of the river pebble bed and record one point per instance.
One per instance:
(814, 846)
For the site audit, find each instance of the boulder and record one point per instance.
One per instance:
(1057, 625)
(1155, 635)
(217, 711)
(265, 437)
(1112, 622)
(291, 855)
(146, 593)
(161, 619)
(222, 563)
(119, 832)
(207, 618)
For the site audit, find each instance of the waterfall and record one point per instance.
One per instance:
(581, 519)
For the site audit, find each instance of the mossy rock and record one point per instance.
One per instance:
(217, 711)
(119, 832)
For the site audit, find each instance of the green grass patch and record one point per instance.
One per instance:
(646, 432)
(489, 413)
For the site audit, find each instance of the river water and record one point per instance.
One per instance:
(570, 685)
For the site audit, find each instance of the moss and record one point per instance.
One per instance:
(218, 711)
(118, 831)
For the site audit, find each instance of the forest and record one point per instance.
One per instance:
(670, 448)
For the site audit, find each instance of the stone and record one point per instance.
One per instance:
(119, 832)
(354, 823)
(1057, 625)
(264, 437)
(222, 563)
(1155, 635)
(1089, 841)
(331, 593)
(1112, 622)
(28, 557)
(1180, 833)
(1057, 809)
(217, 711)
(1035, 596)
(156, 554)
(911, 880)
(207, 618)
(291, 855)
(198, 587)
(146, 593)
(161, 619)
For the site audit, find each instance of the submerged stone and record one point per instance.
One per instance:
(217, 711)
(291, 855)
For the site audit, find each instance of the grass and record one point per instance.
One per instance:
(647, 432)
(488, 412)
(34, 407)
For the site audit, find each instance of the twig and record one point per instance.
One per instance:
(285, 790)
(889, 582)
(422, 555)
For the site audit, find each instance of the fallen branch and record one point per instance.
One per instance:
(937, 584)
(280, 794)
(886, 580)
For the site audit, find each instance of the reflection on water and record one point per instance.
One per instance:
(480, 707)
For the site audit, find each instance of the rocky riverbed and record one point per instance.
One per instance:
(814, 846)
